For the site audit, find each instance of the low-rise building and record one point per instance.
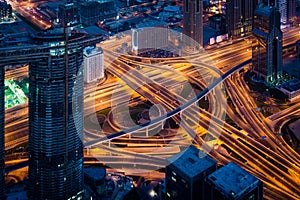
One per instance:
(291, 89)
(186, 173)
(231, 182)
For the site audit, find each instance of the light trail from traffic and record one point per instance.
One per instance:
(276, 165)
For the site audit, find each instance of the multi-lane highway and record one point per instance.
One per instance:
(272, 160)
(277, 168)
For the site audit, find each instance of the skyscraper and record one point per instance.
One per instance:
(240, 17)
(267, 45)
(185, 174)
(56, 120)
(193, 21)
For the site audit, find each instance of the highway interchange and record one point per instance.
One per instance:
(271, 160)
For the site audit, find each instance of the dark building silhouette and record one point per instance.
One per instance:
(218, 22)
(193, 21)
(291, 10)
(233, 183)
(56, 120)
(94, 179)
(93, 11)
(267, 45)
(185, 174)
(240, 17)
(68, 14)
(89, 12)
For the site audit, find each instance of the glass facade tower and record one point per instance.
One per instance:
(267, 45)
(55, 124)
(240, 17)
(193, 20)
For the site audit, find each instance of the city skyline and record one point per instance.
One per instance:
(146, 94)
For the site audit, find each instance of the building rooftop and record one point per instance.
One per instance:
(151, 24)
(233, 181)
(264, 10)
(295, 128)
(192, 161)
(95, 173)
(92, 50)
(292, 86)
(259, 32)
(94, 30)
(172, 8)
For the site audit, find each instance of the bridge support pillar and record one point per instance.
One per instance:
(88, 151)
(205, 97)
(214, 91)
(147, 132)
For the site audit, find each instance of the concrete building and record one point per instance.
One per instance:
(240, 17)
(291, 89)
(233, 183)
(193, 22)
(93, 63)
(186, 173)
(144, 39)
(267, 45)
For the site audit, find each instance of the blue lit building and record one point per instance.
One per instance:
(233, 183)
(56, 120)
(92, 12)
(186, 173)
(267, 45)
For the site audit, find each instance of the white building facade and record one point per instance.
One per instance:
(93, 64)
